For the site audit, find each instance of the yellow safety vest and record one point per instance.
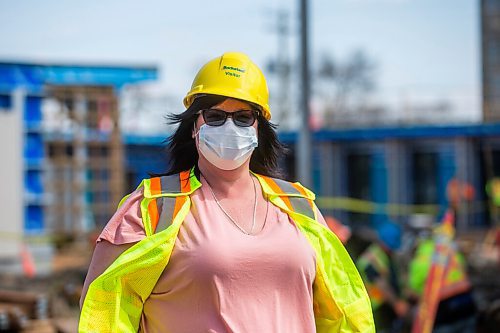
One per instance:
(115, 299)
(375, 256)
(455, 279)
(493, 190)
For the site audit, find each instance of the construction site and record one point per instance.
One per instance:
(68, 162)
(71, 174)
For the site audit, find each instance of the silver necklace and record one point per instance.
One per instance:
(229, 216)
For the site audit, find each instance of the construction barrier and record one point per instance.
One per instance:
(370, 207)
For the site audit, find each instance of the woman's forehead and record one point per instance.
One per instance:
(232, 104)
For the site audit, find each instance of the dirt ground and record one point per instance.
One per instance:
(62, 289)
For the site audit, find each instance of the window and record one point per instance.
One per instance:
(359, 184)
(491, 5)
(424, 176)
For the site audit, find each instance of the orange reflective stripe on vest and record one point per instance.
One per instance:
(153, 213)
(155, 186)
(165, 208)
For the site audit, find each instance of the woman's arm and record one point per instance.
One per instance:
(104, 255)
(123, 230)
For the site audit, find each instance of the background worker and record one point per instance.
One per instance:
(381, 276)
(220, 243)
(456, 310)
(355, 241)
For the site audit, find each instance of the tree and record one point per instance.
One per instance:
(345, 87)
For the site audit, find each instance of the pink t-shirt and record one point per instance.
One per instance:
(221, 280)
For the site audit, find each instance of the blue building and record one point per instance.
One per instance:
(402, 171)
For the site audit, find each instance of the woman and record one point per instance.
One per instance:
(217, 244)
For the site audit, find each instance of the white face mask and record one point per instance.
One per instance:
(227, 146)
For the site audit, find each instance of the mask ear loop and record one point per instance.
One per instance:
(195, 132)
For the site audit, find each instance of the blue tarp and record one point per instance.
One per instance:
(34, 76)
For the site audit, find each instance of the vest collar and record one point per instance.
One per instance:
(186, 183)
(283, 188)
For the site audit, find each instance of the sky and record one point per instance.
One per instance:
(425, 51)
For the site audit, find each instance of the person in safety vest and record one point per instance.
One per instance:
(355, 241)
(380, 274)
(456, 309)
(220, 243)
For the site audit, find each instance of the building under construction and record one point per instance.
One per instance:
(63, 170)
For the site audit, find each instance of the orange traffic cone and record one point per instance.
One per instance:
(27, 262)
(343, 232)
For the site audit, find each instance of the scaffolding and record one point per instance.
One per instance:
(85, 173)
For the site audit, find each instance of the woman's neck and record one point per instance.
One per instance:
(224, 182)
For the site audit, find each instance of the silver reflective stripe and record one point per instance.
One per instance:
(167, 213)
(299, 204)
(286, 187)
(170, 184)
(302, 206)
(159, 204)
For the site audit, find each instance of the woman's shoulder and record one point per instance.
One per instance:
(125, 226)
(281, 187)
(183, 183)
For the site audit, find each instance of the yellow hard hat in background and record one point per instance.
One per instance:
(233, 75)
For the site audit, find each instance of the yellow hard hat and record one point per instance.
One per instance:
(233, 75)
